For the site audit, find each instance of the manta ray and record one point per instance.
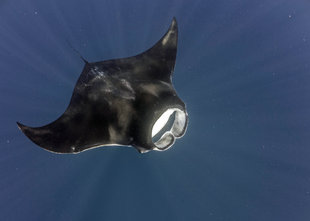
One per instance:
(124, 102)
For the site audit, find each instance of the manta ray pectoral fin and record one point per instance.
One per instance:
(160, 59)
(46, 138)
(33, 134)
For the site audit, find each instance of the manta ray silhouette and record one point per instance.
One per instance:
(120, 102)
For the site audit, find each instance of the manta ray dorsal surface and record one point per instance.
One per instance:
(117, 102)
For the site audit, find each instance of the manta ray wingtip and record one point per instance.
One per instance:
(20, 126)
(174, 23)
(25, 129)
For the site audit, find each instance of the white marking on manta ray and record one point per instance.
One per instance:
(166, 38)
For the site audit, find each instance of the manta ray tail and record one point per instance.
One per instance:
(76, 51)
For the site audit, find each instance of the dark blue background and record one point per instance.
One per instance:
(243, 70)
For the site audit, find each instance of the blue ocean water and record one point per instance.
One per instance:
(243, 71)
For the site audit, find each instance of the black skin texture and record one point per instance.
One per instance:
(115, 102)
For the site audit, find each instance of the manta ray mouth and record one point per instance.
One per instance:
(169, 126)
